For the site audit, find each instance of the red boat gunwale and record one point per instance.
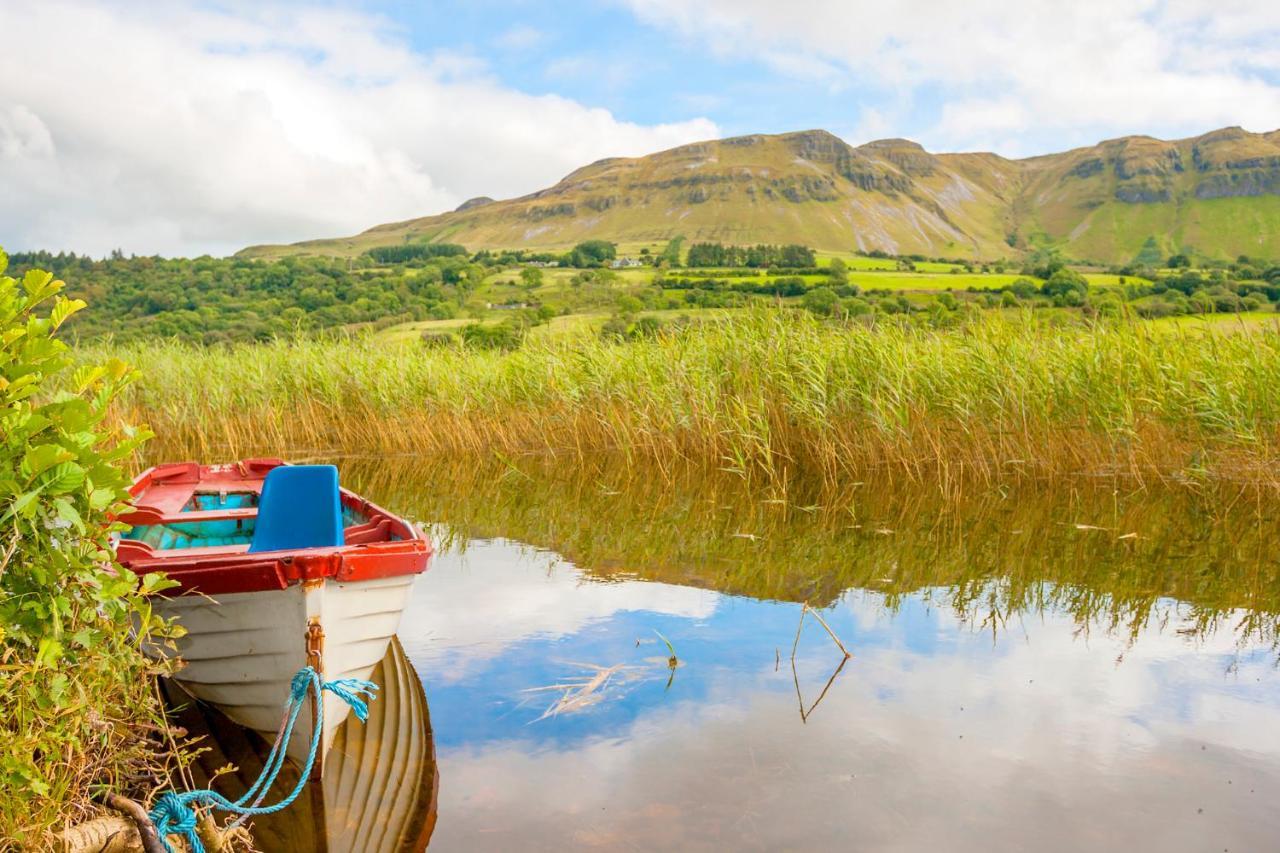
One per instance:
(384, 546)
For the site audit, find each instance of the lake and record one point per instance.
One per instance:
(1055, 666)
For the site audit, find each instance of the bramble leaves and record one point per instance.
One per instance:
(62, 478)
(42, 457)
(64, 308)
(72, 622)
(86, 375)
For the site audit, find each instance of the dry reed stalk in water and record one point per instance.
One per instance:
(806, 609)
(578, 695)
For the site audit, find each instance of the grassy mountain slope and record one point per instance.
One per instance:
(1217, 195)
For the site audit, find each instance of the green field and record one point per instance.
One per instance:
(1245, 320)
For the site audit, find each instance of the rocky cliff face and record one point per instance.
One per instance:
(1225, 163)
(1218, 193)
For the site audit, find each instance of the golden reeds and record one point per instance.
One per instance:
(762, 393)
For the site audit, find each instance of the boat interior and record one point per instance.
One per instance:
(252, 506)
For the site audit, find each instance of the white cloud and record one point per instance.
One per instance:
(182, 129)
(516, 593)
(1008, 68)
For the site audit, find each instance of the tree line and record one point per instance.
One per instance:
(762, 255)
(211, 300)
(415, 251)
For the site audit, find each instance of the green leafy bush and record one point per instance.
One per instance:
(504, 336)
(1066, 287)
(75, 691)
(822, 301)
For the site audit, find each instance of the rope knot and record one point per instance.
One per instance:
(172, 815)
(172, 810)
(300, 684)
(350, 690)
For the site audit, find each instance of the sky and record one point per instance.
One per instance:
(189, 128)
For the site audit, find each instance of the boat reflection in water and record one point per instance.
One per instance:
(380, 785)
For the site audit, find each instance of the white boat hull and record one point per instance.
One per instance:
(243, 649)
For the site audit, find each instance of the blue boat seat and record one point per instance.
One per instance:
(299, 508)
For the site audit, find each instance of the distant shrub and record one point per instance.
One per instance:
(856, 307)
(437, 339)
(504, 336)
(838, 271)
(442, 311)
(1066, 283)
(1225, 301)
(1024, 288)
(1155, 308)
(1108, 305)
(821, 301)
(622, 328)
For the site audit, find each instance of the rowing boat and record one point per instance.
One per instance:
(278, 568)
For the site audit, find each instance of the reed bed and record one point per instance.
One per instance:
(762, 393)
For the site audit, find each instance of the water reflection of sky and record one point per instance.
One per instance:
(936, 735)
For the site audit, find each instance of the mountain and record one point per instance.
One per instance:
(1216, 195)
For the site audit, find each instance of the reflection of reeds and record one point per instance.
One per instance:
(762, 394)
(988, 556)
(806, 713)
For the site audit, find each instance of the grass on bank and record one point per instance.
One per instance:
(79, 716)
(761, 391)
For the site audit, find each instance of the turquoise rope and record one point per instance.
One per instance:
(174, 813)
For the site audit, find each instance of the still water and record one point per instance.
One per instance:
(934, 736)
(1048, 669)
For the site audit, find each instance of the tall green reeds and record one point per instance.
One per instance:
(762, 393)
